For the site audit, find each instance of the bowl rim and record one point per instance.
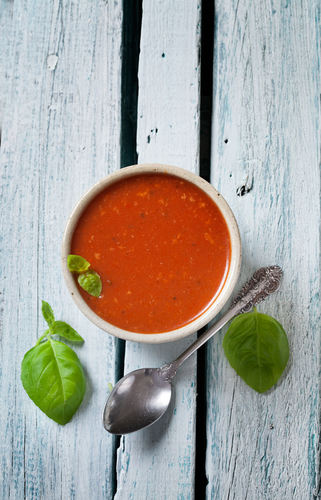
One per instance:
(230, 280)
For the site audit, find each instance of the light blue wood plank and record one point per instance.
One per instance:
(6, 53)
(159, 462)
(60, 134)
(266, 145)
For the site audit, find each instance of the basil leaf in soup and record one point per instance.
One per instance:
(64, 330)
(91, 282)
(47, 313)
(257, 348)
(53, 378)
(77, 264)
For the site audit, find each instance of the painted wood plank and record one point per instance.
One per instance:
(61, 133)
(265, 162)
(6, 54)
(158, 462)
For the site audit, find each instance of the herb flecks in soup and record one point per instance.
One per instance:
(161, 248)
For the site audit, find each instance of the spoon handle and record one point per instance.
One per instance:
(263, 283)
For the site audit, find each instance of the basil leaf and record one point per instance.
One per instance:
(64, 330)
(91, 282)
(53, 378)
(87, 279)
(257, 348)
(47, 313)
(77, 264)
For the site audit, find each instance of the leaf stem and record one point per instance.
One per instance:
(45, 334)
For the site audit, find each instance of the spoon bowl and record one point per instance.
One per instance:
(122, 415)
(140, 398)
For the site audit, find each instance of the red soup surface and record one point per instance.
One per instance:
(161, 247)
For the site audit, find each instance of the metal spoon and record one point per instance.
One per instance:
(140, 398)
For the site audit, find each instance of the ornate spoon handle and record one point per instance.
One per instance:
(263, 283)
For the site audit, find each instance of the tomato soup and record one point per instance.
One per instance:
(161, 247)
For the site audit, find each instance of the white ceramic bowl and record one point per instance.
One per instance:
(230, 281)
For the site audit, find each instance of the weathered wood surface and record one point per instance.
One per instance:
(62, 96)
(60, 133)
(266, 147)
(159, 462)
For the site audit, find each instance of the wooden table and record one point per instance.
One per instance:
(87, 87)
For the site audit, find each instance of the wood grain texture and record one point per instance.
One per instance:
(6, 54)
(60, 109)
(60, 133)
(159, 462)
(265, 162)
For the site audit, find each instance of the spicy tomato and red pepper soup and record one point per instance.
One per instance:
(161, 247)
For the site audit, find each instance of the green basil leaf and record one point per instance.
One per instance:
(91, 282)
(64, 330)
(47, 313)
(53, 378)
(77, 264)
(257, 348)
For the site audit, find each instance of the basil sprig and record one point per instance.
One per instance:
(51, 372)
(88, 279)
(257, 348)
